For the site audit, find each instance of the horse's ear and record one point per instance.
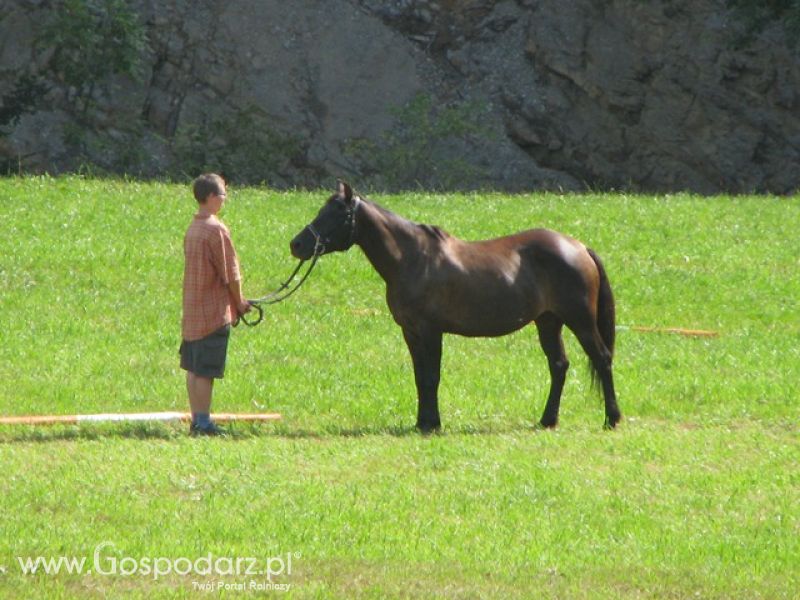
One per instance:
(345, 191)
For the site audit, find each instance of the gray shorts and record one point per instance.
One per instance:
(206, 357)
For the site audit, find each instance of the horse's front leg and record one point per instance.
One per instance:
(426, 354)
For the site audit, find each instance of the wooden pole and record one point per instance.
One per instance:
(675, 330)
(130, 417)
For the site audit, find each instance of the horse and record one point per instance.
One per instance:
(437, 284)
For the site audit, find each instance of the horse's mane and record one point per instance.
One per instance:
(434, 231)
(431, 230)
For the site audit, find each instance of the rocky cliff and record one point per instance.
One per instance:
(513, 94)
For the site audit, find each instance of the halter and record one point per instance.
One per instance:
(281, 294)
(320, 243)
(351, 216)
(350, 221)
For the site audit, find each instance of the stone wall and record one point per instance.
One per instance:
(625, 94)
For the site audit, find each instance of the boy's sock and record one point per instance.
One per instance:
(201, 420)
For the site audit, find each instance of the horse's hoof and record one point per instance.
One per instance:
(611, 424)
(429, 428)
(544, 426)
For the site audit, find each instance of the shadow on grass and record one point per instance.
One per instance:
(84, 432)
(149, 431)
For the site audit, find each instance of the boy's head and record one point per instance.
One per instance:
(207, 185)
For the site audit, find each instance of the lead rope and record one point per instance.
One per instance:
(275, 296)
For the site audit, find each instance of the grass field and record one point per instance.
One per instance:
(696, 495)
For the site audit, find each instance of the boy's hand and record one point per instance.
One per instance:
(244, 307)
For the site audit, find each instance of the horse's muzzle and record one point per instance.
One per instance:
(296, 247)
(304, 244)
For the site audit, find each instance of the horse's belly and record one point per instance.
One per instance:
(486, 326)
(469, 310)
(487, 317)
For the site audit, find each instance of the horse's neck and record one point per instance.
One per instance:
(385, 238)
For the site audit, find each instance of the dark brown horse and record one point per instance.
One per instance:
(437, 284)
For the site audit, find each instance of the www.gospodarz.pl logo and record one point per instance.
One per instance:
(106, 562)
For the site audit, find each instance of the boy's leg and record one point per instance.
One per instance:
(205, 356)
(200, 390)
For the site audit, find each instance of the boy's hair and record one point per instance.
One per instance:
(205, 185)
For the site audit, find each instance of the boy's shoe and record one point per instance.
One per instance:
(211, 430)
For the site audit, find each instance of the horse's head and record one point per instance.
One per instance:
(333, 229)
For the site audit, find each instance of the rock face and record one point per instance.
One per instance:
(625, 94)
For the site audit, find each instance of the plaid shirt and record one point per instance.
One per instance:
(210, 265)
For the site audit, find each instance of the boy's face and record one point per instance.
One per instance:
(215, 201)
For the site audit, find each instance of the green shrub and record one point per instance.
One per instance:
(242, 146)
(414, 153)
(91, 41)
(756, 15)
(22, 99)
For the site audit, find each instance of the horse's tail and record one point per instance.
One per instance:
(606, 309)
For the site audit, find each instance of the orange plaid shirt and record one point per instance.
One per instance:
(210, 265)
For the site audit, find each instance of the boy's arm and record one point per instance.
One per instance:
(242, 305)
(226, 264)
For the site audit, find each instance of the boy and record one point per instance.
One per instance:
(212, 299)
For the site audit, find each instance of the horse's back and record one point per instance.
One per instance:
(558, 266)
(492, 287)
(543, 248)
(495, 286)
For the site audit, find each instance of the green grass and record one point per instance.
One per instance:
(696, 494)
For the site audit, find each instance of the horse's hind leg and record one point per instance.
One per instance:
(592, 343)
(549, 327)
